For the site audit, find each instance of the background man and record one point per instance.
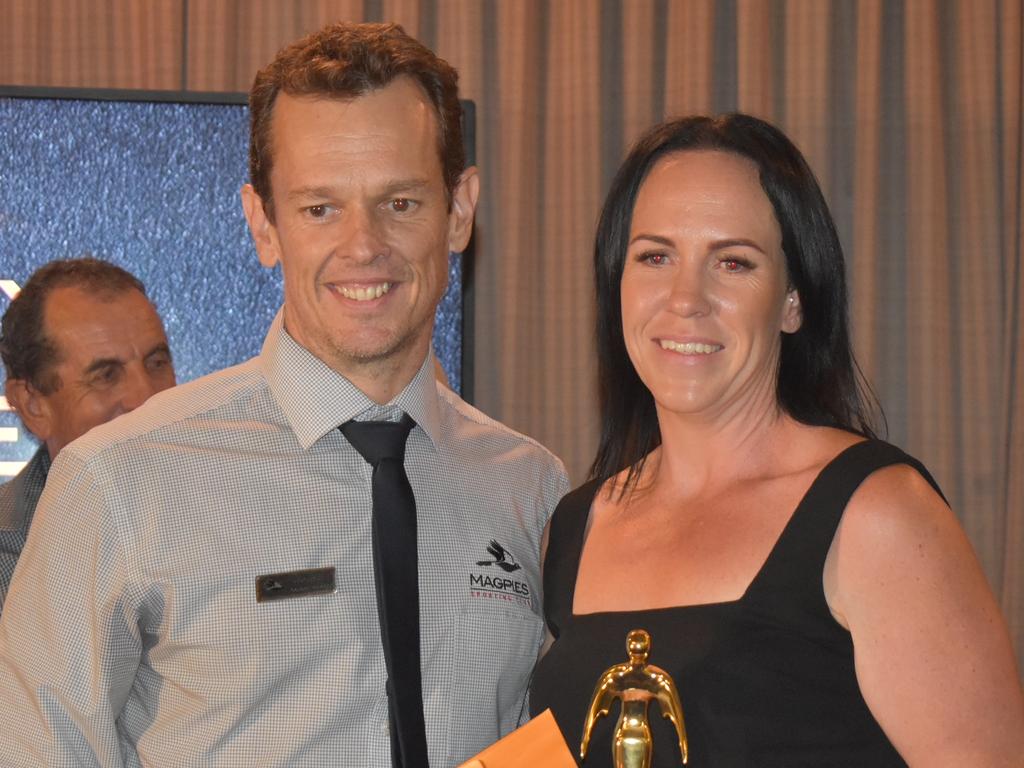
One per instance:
(235, 593)
(81, 344)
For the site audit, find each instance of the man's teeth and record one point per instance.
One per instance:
(690, 347)
(365, 294)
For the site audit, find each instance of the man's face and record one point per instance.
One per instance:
(112, 354)
(362, 229)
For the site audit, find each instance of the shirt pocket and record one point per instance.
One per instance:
(496, 647)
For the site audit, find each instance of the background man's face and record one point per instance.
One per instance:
(112, 356)
(362, 228)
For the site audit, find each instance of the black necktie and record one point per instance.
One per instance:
(382, 444)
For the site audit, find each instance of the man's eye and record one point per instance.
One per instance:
(106, 376)
(401, 205)
(318, 211)
(158, 362)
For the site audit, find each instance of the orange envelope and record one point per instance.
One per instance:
(538, 744)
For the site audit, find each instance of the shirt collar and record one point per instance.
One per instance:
(316, 399)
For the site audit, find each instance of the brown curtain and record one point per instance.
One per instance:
(910, 114)
(908, 110)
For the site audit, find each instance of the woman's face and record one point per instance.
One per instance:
(704, 290)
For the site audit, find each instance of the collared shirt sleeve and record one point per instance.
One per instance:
(555, 487)
(69, 635)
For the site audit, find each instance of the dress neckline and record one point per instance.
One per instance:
(786, 532)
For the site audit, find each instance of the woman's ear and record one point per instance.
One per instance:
(792, 313)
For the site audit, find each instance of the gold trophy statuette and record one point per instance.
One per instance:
(635, 684)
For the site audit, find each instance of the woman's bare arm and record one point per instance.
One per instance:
(933, 656)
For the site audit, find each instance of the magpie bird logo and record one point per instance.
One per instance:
(502, 558)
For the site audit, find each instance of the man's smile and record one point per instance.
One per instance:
(362, 292)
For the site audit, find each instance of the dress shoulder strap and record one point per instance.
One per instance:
(565, 545)
(797, 562)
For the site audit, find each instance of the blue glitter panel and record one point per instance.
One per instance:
(153, 187)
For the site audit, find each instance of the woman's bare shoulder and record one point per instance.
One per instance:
(932, 653)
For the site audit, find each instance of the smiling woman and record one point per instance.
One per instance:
(705, 296)
(804, 583)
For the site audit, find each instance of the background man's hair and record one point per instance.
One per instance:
(26, 351)
(345, 61)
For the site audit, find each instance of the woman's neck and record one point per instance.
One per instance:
(700, 455)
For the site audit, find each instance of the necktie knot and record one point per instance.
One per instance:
(376, 441)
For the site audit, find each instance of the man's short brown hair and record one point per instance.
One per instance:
(345, 61)
(27, 352)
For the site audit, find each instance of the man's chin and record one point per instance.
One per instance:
(367, 355)
(366, 351)
(371, 352)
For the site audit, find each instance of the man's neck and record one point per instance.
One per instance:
(380, 379)
(382, 389)
(383, 380)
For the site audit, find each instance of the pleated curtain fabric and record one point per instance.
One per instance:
(909, 111)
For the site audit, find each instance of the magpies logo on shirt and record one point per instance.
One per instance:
(498, 584)
(502, 558)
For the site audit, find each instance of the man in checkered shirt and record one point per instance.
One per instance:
(140, 629)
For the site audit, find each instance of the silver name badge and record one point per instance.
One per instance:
(279, 586)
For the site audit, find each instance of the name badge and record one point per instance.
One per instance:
(279, 586)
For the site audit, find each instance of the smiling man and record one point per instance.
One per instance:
(292, 562)
(81, 344)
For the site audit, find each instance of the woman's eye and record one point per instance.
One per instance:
(654, 258)
(735, 265)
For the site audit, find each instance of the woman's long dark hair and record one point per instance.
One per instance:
(819, 382)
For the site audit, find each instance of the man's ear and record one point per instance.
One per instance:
(32, 407)
(460, 219)
(792, 313)
(264, 234)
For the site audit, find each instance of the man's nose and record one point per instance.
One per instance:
(139, 386)
(362, 236)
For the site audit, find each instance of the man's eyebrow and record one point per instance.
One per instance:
(406, 185)
(161, 348)
(103, 362)
(309, 192)
(391, 188)
(107, 362)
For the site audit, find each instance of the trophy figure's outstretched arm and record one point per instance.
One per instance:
(600, 706)
(672, 709)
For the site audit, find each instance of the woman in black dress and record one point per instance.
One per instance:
(804, 583)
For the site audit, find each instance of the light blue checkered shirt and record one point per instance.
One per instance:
(133, 637)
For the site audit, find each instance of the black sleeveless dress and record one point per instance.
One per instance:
(766, 680)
